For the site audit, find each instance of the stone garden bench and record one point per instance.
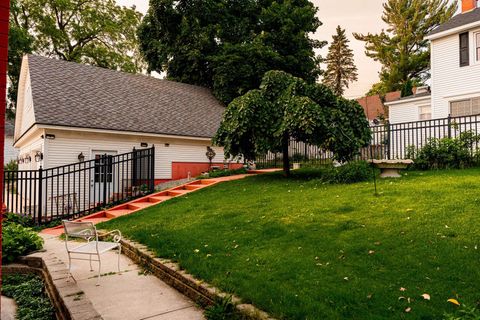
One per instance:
(391, 168)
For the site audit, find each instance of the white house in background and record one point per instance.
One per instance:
(10, 153)
(67, 110)
(455, 72)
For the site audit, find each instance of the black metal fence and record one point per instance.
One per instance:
(74, 190)
(388, 141)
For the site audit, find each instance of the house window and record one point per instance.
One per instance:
(425, 112)
(465, 107)
(477, 46)
(464, 54)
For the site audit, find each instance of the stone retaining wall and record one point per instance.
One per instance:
(69, 301)
(170, 273)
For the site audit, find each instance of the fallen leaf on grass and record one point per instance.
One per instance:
(403, 289)
(426, 296)
(371, 252)
(454, 301)
(408, 309)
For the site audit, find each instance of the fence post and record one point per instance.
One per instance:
(40, 194)
(104, 179)
(152, 169)
(388, 139)
(134, 167)
(449, 121)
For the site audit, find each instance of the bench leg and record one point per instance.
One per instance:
(70, 268)
(91, 268)
(119, 253)
(99, 270)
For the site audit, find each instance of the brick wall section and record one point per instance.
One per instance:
(373, 105)
(4, 14)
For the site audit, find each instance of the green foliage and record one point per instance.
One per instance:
(341, 69)
(18, 241)
(464, 312)
(287, 107)
(351, 172)
(225, 173)
(23, 220)
(446, 153)
(402, 48)
(11, 166)
(223, 309)
(98, 32)
(228, 45)
(28, 291)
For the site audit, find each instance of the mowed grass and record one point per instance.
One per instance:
(300, 249)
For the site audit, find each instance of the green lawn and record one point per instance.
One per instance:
(300, 249)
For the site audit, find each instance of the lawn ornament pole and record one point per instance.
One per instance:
(210, 155)
(4, 16)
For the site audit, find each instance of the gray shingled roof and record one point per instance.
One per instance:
(458, 21)
(76, 95)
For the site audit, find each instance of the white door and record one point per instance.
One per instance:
(101, 179)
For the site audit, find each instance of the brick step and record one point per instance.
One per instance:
(117, 212)
(160, 198)
(140, 205)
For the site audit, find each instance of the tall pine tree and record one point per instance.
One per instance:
(401, 48)
(341, 69)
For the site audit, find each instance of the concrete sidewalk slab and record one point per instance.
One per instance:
(8, 308)
(128, 295)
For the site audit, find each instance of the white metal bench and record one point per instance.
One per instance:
(93, 247)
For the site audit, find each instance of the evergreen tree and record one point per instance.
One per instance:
(401, 48)
(341, 69)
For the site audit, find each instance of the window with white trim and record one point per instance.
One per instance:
(466, 107)
(425, 112)
(477, 46)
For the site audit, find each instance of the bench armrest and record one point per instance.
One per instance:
(117, 235)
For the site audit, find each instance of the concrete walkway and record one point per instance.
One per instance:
(8, 308)
(130, 295)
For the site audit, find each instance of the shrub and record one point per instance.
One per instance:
(11, 166)
(23, 220)
(445, 153)
(18, 241)
(28, 291)
(351, 172)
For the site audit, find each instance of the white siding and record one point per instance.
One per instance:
(66, 147)
(407, 111)
(451, 82)
(30, 148)
(28, 116)
(10, 153)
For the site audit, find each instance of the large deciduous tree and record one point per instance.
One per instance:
(96, 32)
(341, 69)
(401, 48)
(286, 107)
(228, 45)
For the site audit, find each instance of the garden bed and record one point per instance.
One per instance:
(302, 248)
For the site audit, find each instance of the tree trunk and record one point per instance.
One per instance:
(286, 160)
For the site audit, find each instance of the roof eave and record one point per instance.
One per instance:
(452, 31)
(404, 101)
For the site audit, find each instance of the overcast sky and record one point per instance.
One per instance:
(361, 16)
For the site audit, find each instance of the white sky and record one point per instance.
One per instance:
(360, 16)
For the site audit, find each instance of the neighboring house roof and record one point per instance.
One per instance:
(373, 105)
(413, 97)
(77, 95)
(9, 128)
(461, 19)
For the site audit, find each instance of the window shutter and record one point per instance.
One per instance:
(464, 54)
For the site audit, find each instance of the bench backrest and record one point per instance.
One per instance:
(84, 230)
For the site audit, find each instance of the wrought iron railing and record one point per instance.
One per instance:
(388, 141)
(78, 189)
